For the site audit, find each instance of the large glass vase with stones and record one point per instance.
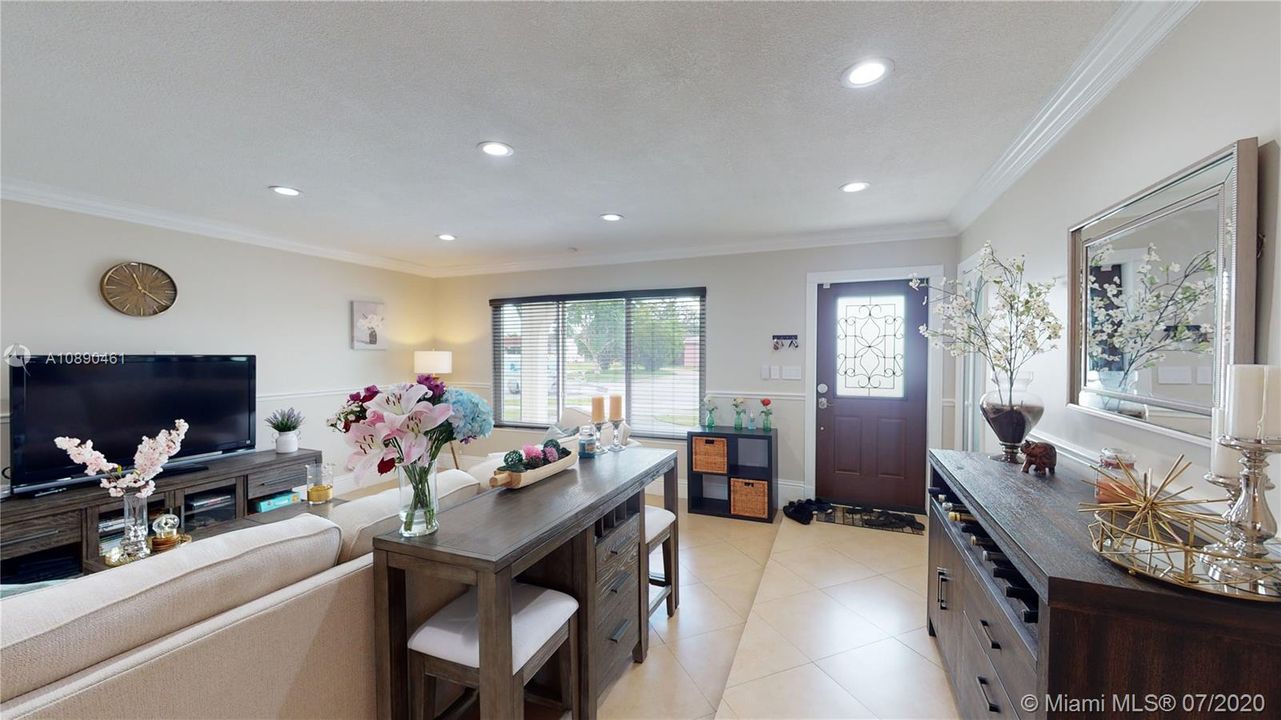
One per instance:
(1011, 411)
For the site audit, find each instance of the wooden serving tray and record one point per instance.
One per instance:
(513, 480)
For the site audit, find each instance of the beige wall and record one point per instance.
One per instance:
(290, 310)
(1216, 79)
(749, 298)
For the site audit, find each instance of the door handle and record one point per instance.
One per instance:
(940, 581)
(822, 403)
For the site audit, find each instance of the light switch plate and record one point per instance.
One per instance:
(773, 372)
(791, 372)
(765, 372)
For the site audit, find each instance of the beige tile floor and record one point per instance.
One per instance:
(827, 622)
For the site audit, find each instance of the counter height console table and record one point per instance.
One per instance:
(1021, 605)
(581, 532)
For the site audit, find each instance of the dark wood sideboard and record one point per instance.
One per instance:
(1020, 605)
(58, 535)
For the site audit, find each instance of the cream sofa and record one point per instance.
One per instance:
(274, 621)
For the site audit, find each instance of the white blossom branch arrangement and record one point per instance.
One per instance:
(1136, 326)
(1015, 326)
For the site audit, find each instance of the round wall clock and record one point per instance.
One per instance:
(139, 289)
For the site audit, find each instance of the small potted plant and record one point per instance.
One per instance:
(286, 423)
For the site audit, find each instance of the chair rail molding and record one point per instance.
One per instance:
(1127, 38)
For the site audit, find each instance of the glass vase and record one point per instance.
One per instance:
(418, 501)
(710, 421)
(738, 419)
(133, 545)
(767, 421)
(1011, 411)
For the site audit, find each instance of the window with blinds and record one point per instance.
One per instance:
(558, 351)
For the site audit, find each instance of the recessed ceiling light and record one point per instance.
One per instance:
(446, 237)
(611, 217)
(286, 191)
(855, 187)
(866, 72)
(495, 148)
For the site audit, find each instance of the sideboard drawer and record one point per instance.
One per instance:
(40, 533)
(979, 692)
(269, 482)
(998, 640)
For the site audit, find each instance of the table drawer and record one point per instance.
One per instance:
(710, 454)
(28, 536)
(998, 640)
(618, 588)
(615, 635)
(269, 482)
(613, 550)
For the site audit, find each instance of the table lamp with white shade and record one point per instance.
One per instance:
(436, 362)
(433, 362)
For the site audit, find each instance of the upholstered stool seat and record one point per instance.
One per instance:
(660, 529)
(657, 520)
(447, 647)
(453, 634)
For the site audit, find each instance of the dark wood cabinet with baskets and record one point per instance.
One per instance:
(733, 473)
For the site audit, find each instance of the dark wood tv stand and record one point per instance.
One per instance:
(57, 535)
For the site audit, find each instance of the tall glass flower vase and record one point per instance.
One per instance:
(418, 501)
(133, 545)
(1011, 411)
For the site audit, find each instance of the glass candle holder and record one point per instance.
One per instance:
(320, 483)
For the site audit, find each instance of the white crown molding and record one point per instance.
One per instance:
(47, 196)
(928, 230)
(1126, 39)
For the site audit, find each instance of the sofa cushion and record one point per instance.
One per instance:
(50, 634)
(364, 519)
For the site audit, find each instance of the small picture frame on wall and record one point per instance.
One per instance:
(368, 321)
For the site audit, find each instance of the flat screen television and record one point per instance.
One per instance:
(114, 400)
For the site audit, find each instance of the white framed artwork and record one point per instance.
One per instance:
(368, 321)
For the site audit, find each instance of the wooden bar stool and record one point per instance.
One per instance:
(447, 647)
(660, 527)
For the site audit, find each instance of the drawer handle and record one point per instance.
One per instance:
(619, 583)
(987, 633)
(620, 631)
(991, 706)
(33, 536)
(709, 441)
(940, 581)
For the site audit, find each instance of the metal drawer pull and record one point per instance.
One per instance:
(620, 631)
(991, 706)
(941, 580)
(29, 538)
(619, 583)
(987, 633)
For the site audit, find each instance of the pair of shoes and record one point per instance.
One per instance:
(823, 506)
(801, 511)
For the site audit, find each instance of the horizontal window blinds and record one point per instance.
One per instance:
(557, 352)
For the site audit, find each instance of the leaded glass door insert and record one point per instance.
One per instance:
(870, 332)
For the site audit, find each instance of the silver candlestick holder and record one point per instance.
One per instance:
(1232, 486)
(1249, 519)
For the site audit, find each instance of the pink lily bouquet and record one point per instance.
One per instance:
(403, 428)
(134, 486)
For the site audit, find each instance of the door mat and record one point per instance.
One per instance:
(872, 518)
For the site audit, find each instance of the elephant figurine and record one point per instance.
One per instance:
(1040, 456)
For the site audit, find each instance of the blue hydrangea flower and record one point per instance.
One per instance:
(471, 418)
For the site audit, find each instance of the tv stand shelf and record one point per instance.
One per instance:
(57, 535)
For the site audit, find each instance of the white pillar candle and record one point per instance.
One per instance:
(1224, 461)
(1254, 401)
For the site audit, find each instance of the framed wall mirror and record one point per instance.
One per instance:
(1163, 295)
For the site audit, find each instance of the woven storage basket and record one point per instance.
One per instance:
(710, 455)
(749, 498)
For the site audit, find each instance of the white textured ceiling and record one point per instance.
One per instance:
(705, 125)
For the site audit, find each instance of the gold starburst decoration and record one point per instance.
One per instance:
(1149, 511)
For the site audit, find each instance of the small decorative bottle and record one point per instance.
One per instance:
(588, 441)
(751, 421)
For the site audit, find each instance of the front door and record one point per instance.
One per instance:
(871, 385)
